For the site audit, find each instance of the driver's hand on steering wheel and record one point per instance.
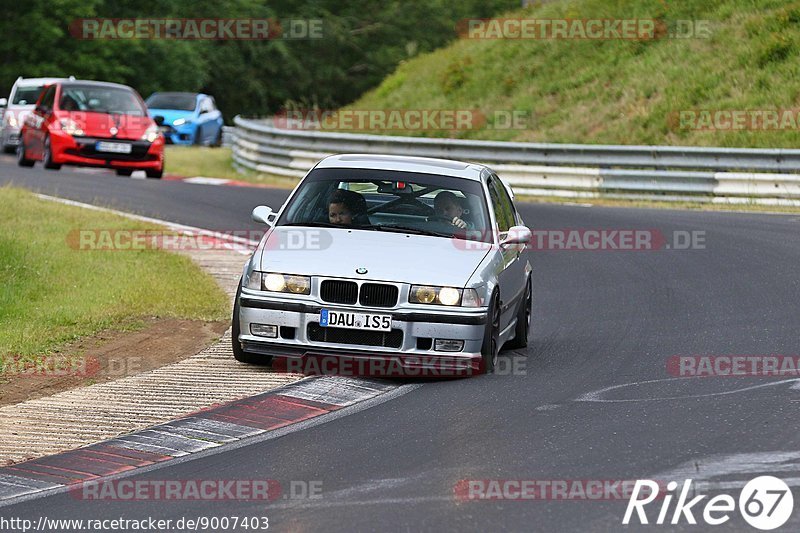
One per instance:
(457, 222)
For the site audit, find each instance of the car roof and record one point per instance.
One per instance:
(426, 165)
(177, 93)
(26, 82)
(84, 83)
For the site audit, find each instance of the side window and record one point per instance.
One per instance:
(49, 97)
(501, 204)
(506, 202)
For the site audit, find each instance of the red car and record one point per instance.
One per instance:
(91, 123)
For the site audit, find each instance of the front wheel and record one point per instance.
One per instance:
(491, 337)
(218, 139)
(238, 353)
(47, 158)
(523, 328)
(155, 174)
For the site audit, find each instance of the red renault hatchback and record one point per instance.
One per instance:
(91, 123)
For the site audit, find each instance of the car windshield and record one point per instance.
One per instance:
(391, 201)
(27, 95)
(179, 101)
(99, 99)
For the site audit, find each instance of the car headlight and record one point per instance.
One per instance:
(10, 120)
(424, 294)
(151, 134)
(274, 282)
(180, 122)
(70, 127)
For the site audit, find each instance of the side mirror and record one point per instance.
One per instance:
(264, 214)
(42, 110)
(159, 120)
(3, 102)
(516, 235)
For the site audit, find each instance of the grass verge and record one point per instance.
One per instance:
(52, 294)
(618, 91)
(191, 161)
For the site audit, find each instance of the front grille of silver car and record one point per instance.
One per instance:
(339, 291)
(347, 292)
(388, 339)
(378, 295)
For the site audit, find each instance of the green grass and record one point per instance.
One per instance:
(52, 293)
(616, 91)
(191, 161)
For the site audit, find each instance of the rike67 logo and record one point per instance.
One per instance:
(765, 503)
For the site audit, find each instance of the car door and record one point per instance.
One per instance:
(206, 126)
(39, 121)
(512, 278)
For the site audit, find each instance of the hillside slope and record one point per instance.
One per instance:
(620, 91)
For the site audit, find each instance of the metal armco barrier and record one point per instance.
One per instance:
(667, 173)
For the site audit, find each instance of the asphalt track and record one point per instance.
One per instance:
(601, 319)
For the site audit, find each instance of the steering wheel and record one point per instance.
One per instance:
(413, 207)
(444, 219)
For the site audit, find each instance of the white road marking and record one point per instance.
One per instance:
(173, 226)
(203, 180)
(597, 395)
(707, 472)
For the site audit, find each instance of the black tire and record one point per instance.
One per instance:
(197, 141)
(47, 156)
(21, 159)
(239, 354)
(218, 139)
(523, 328)
(9, 149)
(124, 172)
(491, 337)
(155, 174)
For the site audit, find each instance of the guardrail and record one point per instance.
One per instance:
(667, 173)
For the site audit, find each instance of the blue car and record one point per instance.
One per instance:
(188, 118)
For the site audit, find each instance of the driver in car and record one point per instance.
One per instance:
(347, 208)
(447, 205)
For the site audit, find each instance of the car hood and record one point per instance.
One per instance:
(171, 115)
(129, 127)
(386, 256)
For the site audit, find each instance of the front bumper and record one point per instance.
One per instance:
(183, 134)
(9, 136)
(81, 151)
(408, 351)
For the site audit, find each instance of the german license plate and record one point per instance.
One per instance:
(363, 321)
(114, 148)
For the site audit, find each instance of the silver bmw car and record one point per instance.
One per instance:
(387, 266)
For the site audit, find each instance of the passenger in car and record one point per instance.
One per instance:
(347, 208)
(448, 205)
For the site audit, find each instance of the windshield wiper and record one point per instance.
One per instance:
(315, 224)
(397, 228)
